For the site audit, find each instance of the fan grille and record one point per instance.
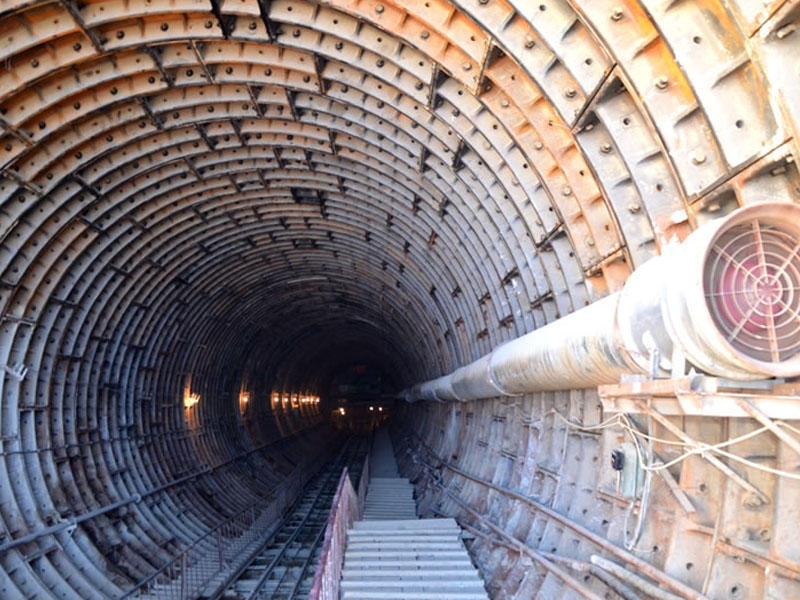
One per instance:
(752, 288)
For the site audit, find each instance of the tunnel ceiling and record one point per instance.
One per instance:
(194, 186)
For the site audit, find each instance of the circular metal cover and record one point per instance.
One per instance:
(752, 288)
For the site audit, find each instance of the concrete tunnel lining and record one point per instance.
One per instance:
(223, 191)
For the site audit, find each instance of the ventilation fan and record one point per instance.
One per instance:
(752, 288)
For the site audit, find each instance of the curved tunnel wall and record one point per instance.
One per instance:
(223, 191)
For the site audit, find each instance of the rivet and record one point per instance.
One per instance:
(379, 9)
(530, 42)
(505, 103)
(634, 208)
(538, 145)
(424, 35)
(379, 63)
(605, 148)
(662, 82)
(616, 14)
(419, 85)
(34, 63)
(252, 26)
(698, 157)
(589, 242)
(570, 92)
(567, 191)
(466, 66)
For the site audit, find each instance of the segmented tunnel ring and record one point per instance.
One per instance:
(233, 196)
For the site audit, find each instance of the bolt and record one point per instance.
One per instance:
(505, 103)
(616, 14)
(379, 9)
(538, 145)
(424, 35)
(605, 148)
(634, 208)
(530, 42)
(698, 157)
(785, 30)
(662, 82)
(567, 191)
(570, 92)
(466, 66)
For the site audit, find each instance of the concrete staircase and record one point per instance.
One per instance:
(393, 555)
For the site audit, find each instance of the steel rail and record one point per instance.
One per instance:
(308, 510)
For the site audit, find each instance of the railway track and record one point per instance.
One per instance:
(284, 567)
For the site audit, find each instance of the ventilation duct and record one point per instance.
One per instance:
(726, 300)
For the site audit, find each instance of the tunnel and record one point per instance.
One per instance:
(213, 211)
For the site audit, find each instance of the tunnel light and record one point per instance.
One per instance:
(380, 409)
(341, 411)
(189, 400)
(371, 408)
(245, 399)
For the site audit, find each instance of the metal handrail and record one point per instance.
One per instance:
(347, 507)
(344, 511)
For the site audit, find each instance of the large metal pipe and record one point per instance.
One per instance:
(727, 299)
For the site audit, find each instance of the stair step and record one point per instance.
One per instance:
(394, 595)
(415, 586)
(406, 524)
(404, 546)
(404, 553)
(411, 575)
(453, 563)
